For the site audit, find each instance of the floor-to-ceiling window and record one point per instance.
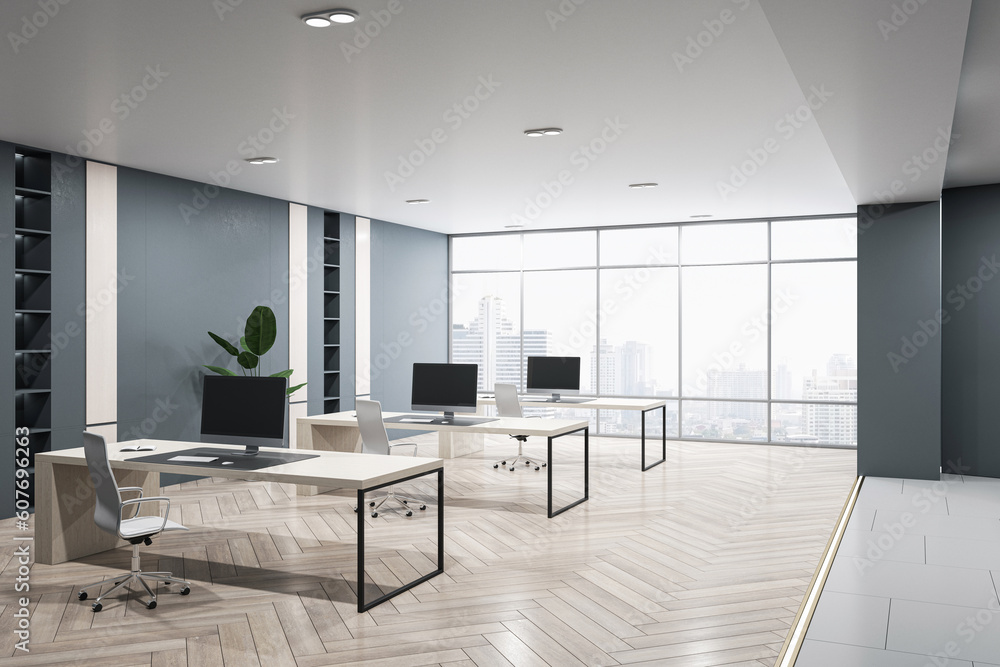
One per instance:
(749, 329)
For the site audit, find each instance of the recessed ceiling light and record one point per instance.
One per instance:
(262, 160)
(544, 132)
(316, 21)
(343, 16)
(643, 186)
(418, 201)
(703, 215)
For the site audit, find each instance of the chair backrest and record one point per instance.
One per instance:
(107, 508)
(374, 439)
(507, 403)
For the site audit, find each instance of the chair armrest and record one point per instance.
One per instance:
(404, 444)
(138, 501)
(132, 488)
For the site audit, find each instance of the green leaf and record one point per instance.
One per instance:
(288, 392)
(220, 371)
(226, 345)
(282, 374)
(243, 343)
(261, 330)
(248, 360)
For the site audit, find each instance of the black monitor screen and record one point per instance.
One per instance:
(244, 407)
(553, 374)
(444, 387)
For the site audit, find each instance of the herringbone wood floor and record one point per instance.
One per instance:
(700, 561)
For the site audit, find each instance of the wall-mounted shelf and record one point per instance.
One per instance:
(331, 312)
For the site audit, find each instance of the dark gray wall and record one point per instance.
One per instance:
(7, 330)
(348, 303)
(69, 296)
(899, 343)
(185, 278)
(409, 307)
(971, 340)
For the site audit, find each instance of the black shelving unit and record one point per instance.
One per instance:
(331, 312)
(33, 297)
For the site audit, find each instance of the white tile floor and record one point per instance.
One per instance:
(915, 582)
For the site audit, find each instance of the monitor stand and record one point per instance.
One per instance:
(557, 398)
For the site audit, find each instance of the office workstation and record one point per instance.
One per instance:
(425, 186)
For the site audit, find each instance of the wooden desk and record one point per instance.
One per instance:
(322, 431)
(604, 403)
(64, 495)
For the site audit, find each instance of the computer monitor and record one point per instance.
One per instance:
(553, 375)
(246, 411)
(448, 388)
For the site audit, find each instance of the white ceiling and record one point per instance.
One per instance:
(609, 67)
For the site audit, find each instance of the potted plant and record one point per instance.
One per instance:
(258, 336)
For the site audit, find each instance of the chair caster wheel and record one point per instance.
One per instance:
(512, 468)
(527, 463)
(537, 468)
(185, 591)
(423, 507)
(374, 514)
(97, 606)
(151, 604)
(496, 465)
(503, 463)
(355, 510)
(405, 502)
(409, 512)
(82, 595)
(544, 464)
(371, 504)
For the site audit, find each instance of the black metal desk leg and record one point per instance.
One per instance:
(362, 606)
(663, 456)
(586, 471)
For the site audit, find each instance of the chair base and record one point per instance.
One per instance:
(539, 463)
(138, 575)
(401, 502)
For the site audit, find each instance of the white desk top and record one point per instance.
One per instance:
(343, 470)
(524, 426)
(603, 403)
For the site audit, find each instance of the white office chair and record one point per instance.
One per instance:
(374, 440)
(509, 406)
(108, 510)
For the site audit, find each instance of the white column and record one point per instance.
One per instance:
(102, 299)
(363, 307)
(298, 313)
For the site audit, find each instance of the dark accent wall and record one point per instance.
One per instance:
(7, 412)
(899, 341)
(69, 301)
(409, 307)
(970, 280)
(314, 296)
(185, 274)
(348, 305)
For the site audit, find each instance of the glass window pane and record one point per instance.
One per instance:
(721, 244)
(486, 253)
(724, 331)
(724, 420)
(560, 316)
(638, 246)
(486, 325)
(814, 424)
(639, 332)
(629, 422)
(557, 250)
(814, 339)
(814, 239)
